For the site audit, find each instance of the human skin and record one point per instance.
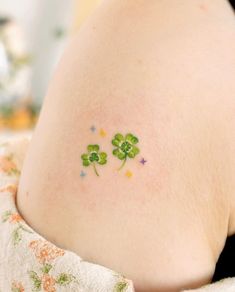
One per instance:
(165, 71)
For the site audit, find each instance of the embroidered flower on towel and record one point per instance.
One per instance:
(17, 287)
(16, 219)
(8, 166)
(121, 286)
(45, 251)
(11, 189)
(48, 283)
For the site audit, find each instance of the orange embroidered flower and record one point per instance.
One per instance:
(7, 165)
(15, 218)
(17, 287)
(11, 188)
(48, 283)
(45, 251)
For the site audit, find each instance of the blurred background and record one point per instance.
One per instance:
(33, 34)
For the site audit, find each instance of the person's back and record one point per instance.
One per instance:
(160, 213)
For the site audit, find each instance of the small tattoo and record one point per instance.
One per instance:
(103, 134)
(93, 129)
(82, 174)
(128, 174)
(143, 161)
(125, 147)
(94, 156)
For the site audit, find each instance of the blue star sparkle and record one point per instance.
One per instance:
(82, 174)
(93, 129)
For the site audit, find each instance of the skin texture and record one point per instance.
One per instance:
(163, 71)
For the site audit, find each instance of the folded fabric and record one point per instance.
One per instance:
(28, 262)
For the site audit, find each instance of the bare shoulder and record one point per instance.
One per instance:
(231, 174)
(134, 146)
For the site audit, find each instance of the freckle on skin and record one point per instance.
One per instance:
(203, 7)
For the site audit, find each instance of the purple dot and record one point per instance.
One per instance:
(143, 161)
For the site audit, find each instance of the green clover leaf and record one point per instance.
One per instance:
(125, 147)
(94, 156)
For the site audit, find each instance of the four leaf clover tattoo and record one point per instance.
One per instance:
(94, 156)
(125, 147)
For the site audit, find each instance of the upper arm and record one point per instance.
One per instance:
(231, 173)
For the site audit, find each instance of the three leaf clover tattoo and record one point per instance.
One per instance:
(126, 147)
(94, 156)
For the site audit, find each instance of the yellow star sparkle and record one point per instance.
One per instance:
(128, 174)
(103, 134)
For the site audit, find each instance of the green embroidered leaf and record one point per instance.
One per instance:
(16, 236)
(15, 289)
(46, 268)
(15, 171)
(37, 283)
(24, 228)
(6, 215)
(120, 286)
(64, 279)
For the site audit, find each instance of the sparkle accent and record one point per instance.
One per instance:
(93, 129)
(82, 174)
(128, 174)
(143, 161)
(103, 134)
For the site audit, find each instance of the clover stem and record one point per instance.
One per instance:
(96, 172)
(124, 161)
